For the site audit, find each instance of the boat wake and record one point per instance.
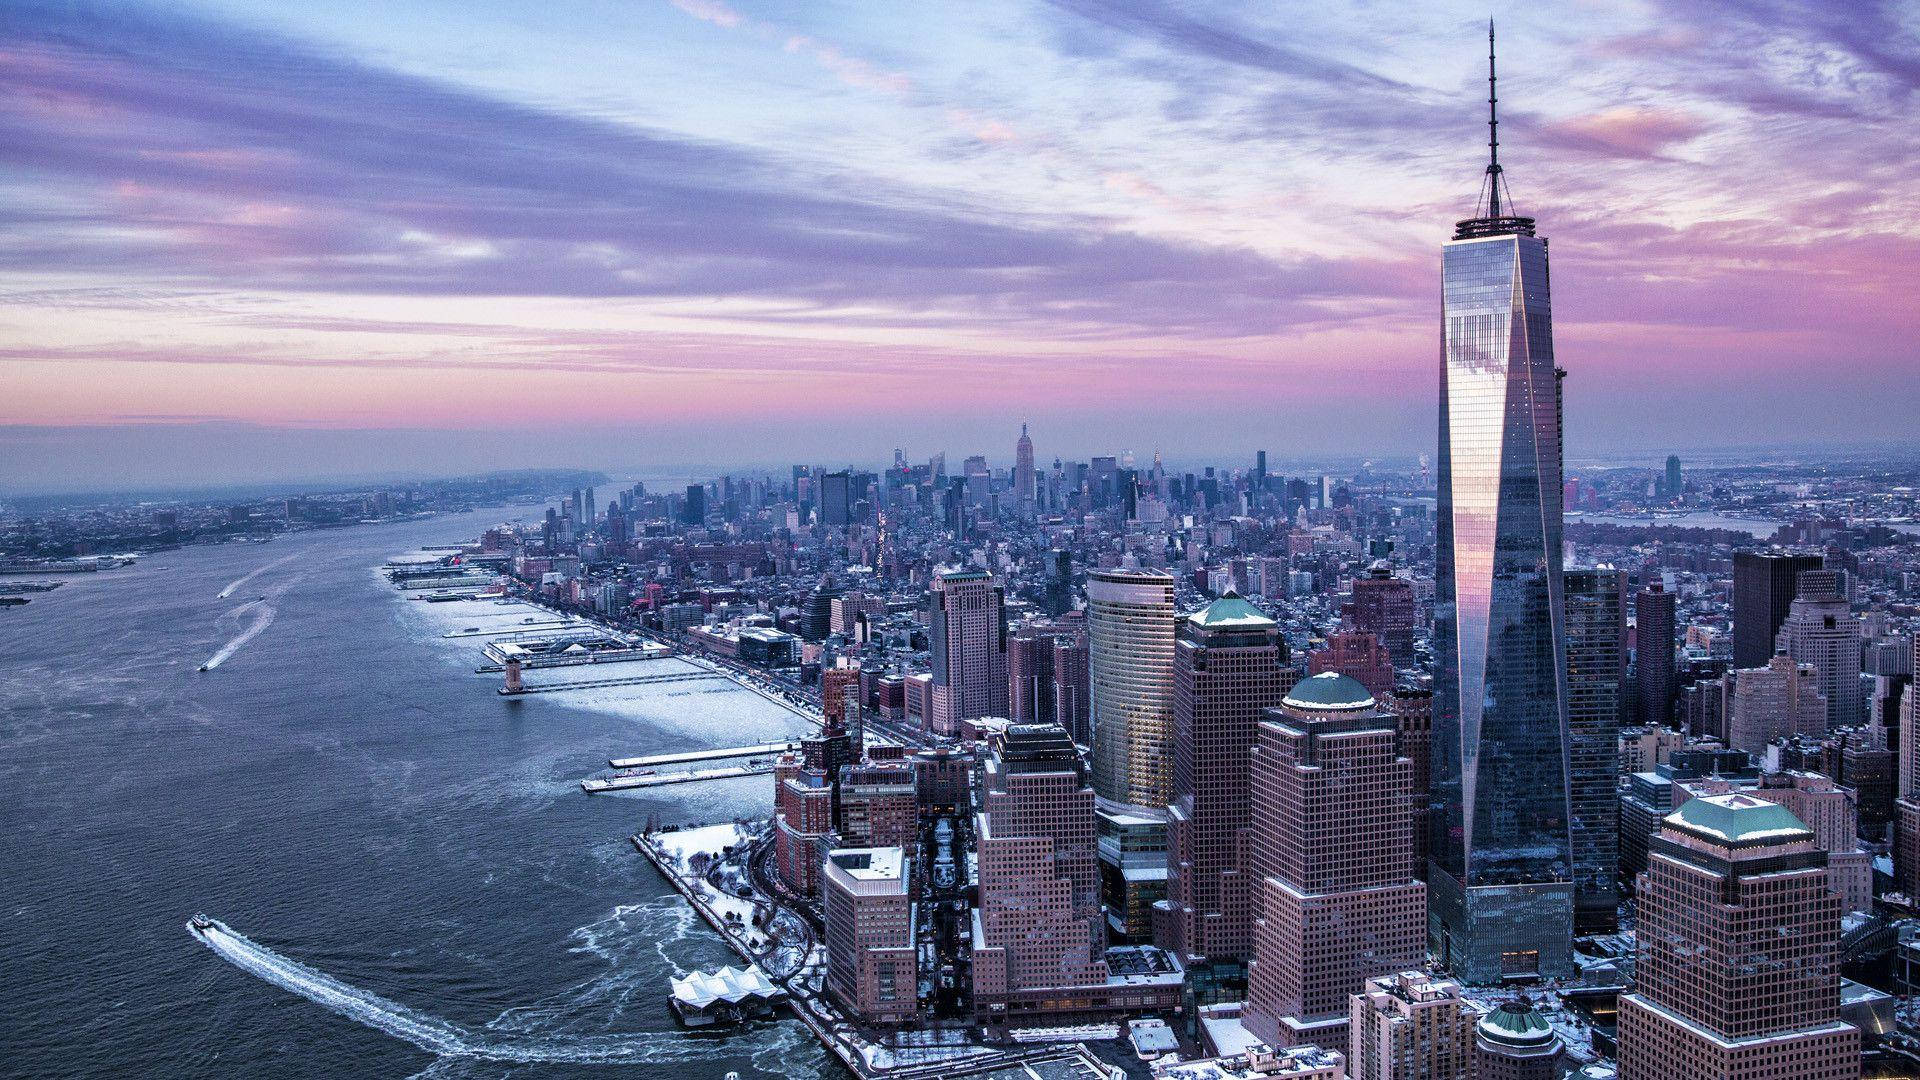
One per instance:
(262, 618)
(431, 1033)
(237, 582)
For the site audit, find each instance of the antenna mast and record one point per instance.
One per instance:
(1493, 132)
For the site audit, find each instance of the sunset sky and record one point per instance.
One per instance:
(729, 232)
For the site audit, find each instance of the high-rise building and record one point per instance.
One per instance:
(1501, 883)
(1596, 637)
(1059, 595)
(1130, 645)
(836, 499)
(967, 636)
(1383, 606)
(1514, 1042)
(1038, 932)
(1030, 683)
(1778, 700)
(1357, 654)
(1336, 899)
(1411, 1026)
(1821, 630)
(1023, 485)
(803, 813)
(835, 682)
(1738, 961)
(1764, 585)
(866, 903)
(1230, 668)
(1675, 486)
(879, 806)
(1653, 643)
(1072, 696)
(694, 510)
(1412, 709)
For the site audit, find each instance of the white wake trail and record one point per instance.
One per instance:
(429, 1033)
(263, 618)
(237, 582)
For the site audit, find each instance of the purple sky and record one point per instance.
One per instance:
(712, 231)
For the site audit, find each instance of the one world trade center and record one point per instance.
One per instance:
(1501, 893)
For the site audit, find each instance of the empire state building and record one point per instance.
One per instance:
(1501, 885)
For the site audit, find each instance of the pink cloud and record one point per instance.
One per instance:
(1625, 131)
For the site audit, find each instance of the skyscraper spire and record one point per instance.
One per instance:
(1493, 210)
(1493, 132)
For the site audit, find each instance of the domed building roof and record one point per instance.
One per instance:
(1517, 1028)
(1329, 690)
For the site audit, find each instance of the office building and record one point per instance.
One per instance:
(694, 510)
(1596, 644)
(1358, 655)
(1653, 645)
(1023, 481)
(1336, 899)
(1030, 681)
(967, 637)
(1383, 606)
(1038, 936)
(1764, 585)
(879, 805)
(1515, 1042)
(866, 902)
(1501, 881)
(1821, 630)
(1737, 963)
(1780, 699)
(1229, 669)
(1130, 646)
(836, 499)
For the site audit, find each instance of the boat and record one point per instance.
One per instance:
(204, 667)
(201, 923)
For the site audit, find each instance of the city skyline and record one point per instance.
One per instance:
(424, 227)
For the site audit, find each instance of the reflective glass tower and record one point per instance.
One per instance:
(1501, 882)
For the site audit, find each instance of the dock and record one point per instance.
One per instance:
(764, 749)
(658, 779)
(635, 680)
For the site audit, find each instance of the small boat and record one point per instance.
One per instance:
(204, 667)
(201, 923)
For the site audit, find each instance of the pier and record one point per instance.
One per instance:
(597, 684)
(766, 749)
(688, 776)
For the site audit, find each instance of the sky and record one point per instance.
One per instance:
(248, 241)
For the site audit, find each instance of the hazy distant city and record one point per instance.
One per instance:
(1216, 681)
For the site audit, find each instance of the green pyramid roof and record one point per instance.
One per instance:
(1739, 818)
(1231, 612)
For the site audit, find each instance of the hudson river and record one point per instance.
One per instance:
(344, 791)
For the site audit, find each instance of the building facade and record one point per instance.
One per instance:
(967, 640)
(1596, 637)
(1653, 663)
(1737, 963)
(1130, 646)
(1411, 1026)
(1229, 669)
(1764, 585)
(866, 904)
(1822, 631)
(1502, 874)
(1337, 902)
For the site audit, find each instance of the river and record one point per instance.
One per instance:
(344, 791)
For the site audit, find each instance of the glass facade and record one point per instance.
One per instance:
(1501, 835)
